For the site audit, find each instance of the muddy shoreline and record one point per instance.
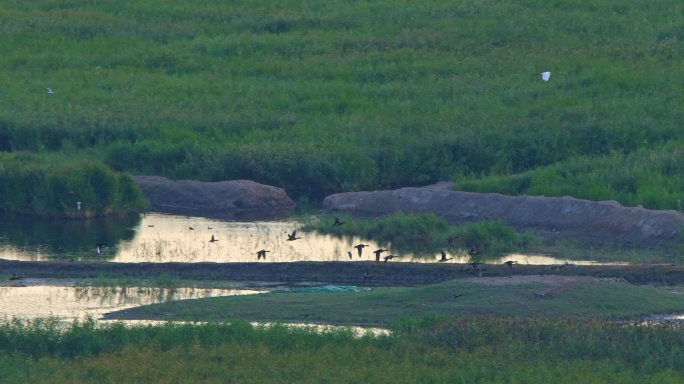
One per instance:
(552, 217)
(351, 273)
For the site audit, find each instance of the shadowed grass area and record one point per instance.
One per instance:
(555, 296)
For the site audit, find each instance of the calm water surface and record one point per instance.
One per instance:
(168, 238)
(69, 303)
(76, 303)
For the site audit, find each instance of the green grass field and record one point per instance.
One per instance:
(469, 350)
(525, 296)
(323, 97)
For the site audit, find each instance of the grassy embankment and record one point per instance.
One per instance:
(525, 296)
(470, 350)
(328, 97)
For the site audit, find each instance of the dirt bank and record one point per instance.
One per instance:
(352, 273)
(235, 199)
(601, 221)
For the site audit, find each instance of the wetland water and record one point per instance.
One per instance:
(30, 301)
(169, 238)
(35, 300)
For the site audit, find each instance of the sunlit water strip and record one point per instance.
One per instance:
(170, 238)
(357, 331)
(75, 303)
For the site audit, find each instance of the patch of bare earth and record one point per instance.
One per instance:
(554, 284)
(554, 280)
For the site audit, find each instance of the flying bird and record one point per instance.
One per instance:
(261, 254)
(349, 254)
(293, 236)
(337, 222)
(444, 257)
(368, 275)
(378, 252)
(510, 263)
(546, 75)
(389, 257)
(213, 240)
(191, 228)
(359, 248)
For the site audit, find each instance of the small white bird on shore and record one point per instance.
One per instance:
(546, 75)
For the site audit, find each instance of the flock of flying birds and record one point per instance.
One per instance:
(476, 267)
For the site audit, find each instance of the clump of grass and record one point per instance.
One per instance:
(31, 184)
(425, 233)
(652, 177)
(490, 238)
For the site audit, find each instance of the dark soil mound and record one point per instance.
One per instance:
(223, 199)
(560, 216)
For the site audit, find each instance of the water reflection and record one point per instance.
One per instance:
(30, 238)
(169, 238)
(357, 331)
(71, 303)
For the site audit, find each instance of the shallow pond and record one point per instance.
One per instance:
(168, 238)
(73, 302)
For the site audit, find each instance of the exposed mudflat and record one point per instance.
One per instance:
(599, 221)
(351, 273)
(557, 280)
(234, 199)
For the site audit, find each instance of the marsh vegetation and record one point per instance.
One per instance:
(468, 350)
(427, 234)
(326, 97)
